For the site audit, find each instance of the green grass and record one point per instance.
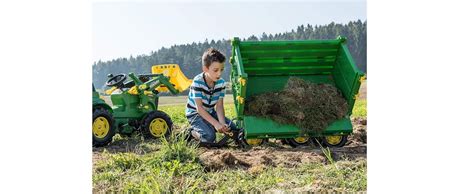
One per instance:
(172, 166)
(360, 108)
(175, 167)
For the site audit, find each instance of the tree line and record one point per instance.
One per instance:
(188, 56)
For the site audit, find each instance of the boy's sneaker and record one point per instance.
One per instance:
(190, 134)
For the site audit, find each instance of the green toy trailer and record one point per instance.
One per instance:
(265, 66)
(135, 106)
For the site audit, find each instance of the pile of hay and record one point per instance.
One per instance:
(309, 106)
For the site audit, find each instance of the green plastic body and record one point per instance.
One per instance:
(129, 109)
(97, 102)
(265, 66)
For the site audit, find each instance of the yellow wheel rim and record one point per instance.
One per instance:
(334, 140)
(301, 139)
(254, 142)
(100, 127)
(158, 127)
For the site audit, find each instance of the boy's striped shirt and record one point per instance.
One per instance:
(209, 96)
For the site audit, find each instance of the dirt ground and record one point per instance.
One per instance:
(257, 158)
(276, 154)
(263, 156)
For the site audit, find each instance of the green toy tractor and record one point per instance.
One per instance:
(134, 106)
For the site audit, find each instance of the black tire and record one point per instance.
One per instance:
(102, 118)
(293, 142)
(150, 119)
(341, 143)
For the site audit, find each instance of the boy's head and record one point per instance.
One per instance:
(213, 63)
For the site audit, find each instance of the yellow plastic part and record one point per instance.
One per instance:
(230, 134)
(177, 77)
(301, 139)
(240, 99)
(254, 142)
(242, 81)
(362, 78)
(109, 91)
(142, 87)
(334, 139)
(133, 90)
(158, 127)
(100, 127)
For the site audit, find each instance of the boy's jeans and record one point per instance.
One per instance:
(205, 129)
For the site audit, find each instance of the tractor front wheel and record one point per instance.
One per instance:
(156, 124)
(102, 127)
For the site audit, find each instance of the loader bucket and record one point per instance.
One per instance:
(173, 71)
(266, 66)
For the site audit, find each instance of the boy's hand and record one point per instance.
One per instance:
(226, 129)
(221, 128)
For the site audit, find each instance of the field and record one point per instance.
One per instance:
(131, 164)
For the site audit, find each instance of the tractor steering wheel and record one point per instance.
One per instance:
(116, 80)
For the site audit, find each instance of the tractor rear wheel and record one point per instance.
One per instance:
(102, 127)
(156, 124)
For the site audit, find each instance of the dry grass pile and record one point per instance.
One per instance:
(307, 105)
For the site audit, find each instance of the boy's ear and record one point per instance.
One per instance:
(204, 68)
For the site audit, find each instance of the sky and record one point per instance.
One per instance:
(124, 29)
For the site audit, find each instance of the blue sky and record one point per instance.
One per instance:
(121, 29)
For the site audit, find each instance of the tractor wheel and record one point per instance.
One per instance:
(156, 124)
(334, 140)
(102, 127)
(298, 141)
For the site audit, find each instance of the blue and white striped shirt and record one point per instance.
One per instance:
(209, 96)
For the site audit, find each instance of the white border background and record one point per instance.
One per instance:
(419, 91)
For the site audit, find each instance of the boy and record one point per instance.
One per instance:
(205, 106)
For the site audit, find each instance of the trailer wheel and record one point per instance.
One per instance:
(334, 140)
(102, 127)
(156, 124)
(298, 141)
(243, 142)
(255, 142)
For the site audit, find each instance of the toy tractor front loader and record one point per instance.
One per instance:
(135, 105)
